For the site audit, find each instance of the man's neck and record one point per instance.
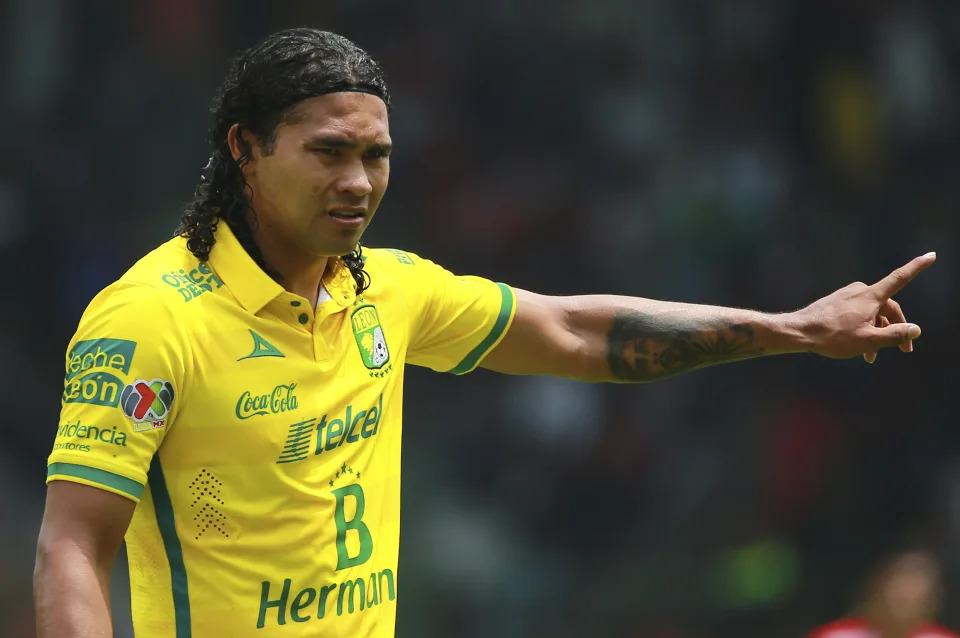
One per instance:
(306, 282)
(299, 275)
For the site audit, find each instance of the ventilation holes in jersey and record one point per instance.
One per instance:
(206, 490)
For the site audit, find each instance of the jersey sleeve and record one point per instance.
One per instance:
(125, 370)
(456, 320)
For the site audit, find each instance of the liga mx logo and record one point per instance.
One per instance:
(147, 403)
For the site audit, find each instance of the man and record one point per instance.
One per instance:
(232, 403)
(902, 601)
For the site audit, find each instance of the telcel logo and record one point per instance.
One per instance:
(91, 371)
(280, 399)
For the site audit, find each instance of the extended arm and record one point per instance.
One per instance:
(630, 339)
(79, 539)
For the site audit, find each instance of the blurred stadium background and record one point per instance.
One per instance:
(757, 153)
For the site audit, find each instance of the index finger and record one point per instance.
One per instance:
(895, 281)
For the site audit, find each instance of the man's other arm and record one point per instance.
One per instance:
(630, 339)
(79, 539)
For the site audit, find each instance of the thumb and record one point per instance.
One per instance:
(894, 335)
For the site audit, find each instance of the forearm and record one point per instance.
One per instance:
(71, 596)
(631, 339)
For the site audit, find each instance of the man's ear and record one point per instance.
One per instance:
(239, 142)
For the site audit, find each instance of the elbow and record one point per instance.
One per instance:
(582, 342)
(61, 550)
(42, 568)
(53, 549)
(586, 360)
(45, 557)
(45, 548)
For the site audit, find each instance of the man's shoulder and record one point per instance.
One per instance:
(169, 258)
(128, 302)
(173, 272)
(389, 258)
(393, 271)
(151, 287)
(406, 267)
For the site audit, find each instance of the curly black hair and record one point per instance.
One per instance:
(264, 84)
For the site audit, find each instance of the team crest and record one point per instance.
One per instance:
(369, 335)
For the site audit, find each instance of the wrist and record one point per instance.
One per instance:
(793, 332)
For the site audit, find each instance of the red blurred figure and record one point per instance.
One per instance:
(902, 601)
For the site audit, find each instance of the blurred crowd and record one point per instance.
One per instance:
(755, 153)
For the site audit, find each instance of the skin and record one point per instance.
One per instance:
(630, 339)
(79, 539)
(331, 153)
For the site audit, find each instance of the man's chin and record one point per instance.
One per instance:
(336, 239)
(336, 249)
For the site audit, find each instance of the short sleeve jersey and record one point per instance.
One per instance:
(261, 438)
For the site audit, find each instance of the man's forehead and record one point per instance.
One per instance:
(348, 112)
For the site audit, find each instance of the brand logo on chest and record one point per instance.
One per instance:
(333, 431)
(280, 399)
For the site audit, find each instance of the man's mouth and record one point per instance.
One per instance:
(348, 212)
(348, 216)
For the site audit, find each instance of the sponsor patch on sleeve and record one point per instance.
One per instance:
(79, 437)
(93, 368)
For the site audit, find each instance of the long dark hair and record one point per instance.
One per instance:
(264, 83)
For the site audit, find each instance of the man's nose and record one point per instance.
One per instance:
(354, 180)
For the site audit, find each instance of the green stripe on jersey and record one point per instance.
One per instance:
(108, 479)
(506, 309)
(171, 543)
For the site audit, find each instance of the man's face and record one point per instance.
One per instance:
(318, 189)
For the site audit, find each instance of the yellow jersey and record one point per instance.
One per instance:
(261, 439)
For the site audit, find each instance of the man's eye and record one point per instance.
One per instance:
(327, 150)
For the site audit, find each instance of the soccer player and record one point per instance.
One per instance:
(232, 403)
(902, 601)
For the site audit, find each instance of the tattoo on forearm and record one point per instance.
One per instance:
(643, 347)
